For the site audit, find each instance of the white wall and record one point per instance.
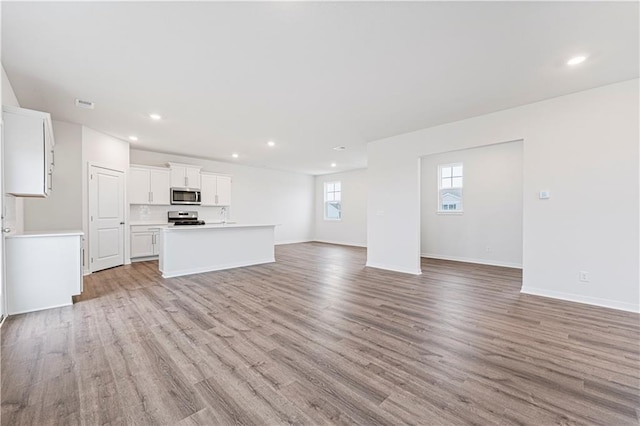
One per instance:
(489, 230)
(352, 229)
(62, 209)
(105, 151)
(257, 195)
(13, 206)
(582, 147)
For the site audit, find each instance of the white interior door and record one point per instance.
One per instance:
(106, 218)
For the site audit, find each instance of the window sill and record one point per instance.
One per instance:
(332, 220)
(446, 213)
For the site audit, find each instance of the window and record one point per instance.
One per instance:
(332, 201)
(450, 187)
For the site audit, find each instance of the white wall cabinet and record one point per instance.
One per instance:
(149, 185)
(185, 176)
(216, 190)
(44, 270)
(144, 241)
(28, 152)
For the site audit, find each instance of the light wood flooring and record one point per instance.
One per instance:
(317, 338)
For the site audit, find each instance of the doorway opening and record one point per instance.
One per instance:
(471, 207)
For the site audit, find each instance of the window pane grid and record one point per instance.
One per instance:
(332, 204)
(450, 184)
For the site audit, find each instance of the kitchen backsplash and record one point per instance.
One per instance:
(158, 214)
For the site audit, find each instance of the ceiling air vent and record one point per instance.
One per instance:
(84, 104)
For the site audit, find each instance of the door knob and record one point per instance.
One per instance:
(121, 223)
(6, 230)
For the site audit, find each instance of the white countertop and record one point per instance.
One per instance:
(46, 234)
(211, 226)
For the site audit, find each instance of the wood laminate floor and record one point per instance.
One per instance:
(317, 338)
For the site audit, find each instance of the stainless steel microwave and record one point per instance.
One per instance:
(185, 196)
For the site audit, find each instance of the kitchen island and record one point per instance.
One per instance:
(186, 250)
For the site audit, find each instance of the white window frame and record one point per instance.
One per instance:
(326, 201)
(440, 210)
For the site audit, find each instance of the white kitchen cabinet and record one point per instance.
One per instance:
(216, 189)
(149, 185)
(144, 242)
(43, 270)
(185, 176)
(28, 152)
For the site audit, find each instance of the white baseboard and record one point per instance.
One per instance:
(596, 301)
(42, 309)
(394, 268)
(472, 260)
(341, 243)
(200, 270)
(280, 243)
(144, 259)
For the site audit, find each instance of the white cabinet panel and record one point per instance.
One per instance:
(28, 152)
(223, 185)
(142, 244)
(216, 190)
(208, 189)
(178, 177)
(185, 176)
(193, 177)
(144, 241)
(42, 271)
(159, 187)
(139, 185)
(148, 185)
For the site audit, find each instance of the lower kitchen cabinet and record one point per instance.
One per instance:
(43, 270)
(144, 242)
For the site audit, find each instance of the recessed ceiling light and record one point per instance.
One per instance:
(235, 155)
(339, 148)
(133, 138)
(155, 117)
(271, 143)
(333, 164)
(576, 60)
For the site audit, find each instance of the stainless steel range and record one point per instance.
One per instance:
(184, 218)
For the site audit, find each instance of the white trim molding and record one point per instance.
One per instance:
(596, 301)
(394, 268)
(472, 260)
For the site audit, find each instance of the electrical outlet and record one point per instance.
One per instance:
(488, 249)
(583, 276)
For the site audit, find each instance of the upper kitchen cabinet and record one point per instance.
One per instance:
(185, 176)
(28, 152)
(216, 190)
(149, 185)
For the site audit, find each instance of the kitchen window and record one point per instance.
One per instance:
(450, 181)
(332, 201)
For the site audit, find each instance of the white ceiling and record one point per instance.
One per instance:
(228, 77)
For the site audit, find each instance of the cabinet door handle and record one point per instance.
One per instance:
(149, 196)
(216, 198)
(186, 182)
(51, 181)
